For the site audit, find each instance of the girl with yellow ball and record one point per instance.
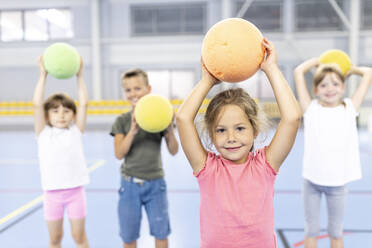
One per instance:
(331, 155)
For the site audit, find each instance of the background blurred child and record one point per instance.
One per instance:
(331, 155)
(142, 175)
(59, 125)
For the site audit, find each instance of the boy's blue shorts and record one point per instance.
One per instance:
(152, 195)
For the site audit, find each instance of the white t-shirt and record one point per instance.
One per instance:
(61, 157)
(331, 156)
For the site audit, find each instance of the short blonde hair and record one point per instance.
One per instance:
(135, 72)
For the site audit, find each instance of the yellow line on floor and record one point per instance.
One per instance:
(38, 199)
(96, 165)
(21, 209)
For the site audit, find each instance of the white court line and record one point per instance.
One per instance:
(38, 199)
(19, 161)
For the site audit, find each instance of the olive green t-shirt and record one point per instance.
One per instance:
(143, 159)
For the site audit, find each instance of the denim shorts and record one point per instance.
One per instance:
(152, 195)
(335, 197)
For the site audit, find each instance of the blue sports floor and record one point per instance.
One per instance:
(21, 217)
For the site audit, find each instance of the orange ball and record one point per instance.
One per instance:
(232, 50)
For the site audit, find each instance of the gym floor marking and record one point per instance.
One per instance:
(38, 199)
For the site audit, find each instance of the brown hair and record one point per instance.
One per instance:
(134, 73)
(239, 98)
(54, 101)
(322, 71)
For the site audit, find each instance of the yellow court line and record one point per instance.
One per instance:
(38, 199)
(96, 165)
(21, 209)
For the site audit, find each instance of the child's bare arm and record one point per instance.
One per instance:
(170, 139)
(299, 76)
(123, 142)
(81, 113)
(361, 91)
(190, 141)
(289, 109)
(38, 99)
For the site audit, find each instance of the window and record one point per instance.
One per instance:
(366, 14)
(173, 84)
(267, 16)
(11, 25)
(36, 25)
(168, 19)
(60, 23)
(317, 15)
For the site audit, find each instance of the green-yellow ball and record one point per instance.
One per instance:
(336, 56)
(153, 113)
(61, 60)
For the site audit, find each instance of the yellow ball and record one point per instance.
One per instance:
(153, 113)
(232, 50)
(336, 56)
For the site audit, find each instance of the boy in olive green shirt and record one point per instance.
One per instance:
(142, 175)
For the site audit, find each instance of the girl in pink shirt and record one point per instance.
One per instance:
(237, 186)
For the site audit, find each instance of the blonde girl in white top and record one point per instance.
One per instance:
(331, 155)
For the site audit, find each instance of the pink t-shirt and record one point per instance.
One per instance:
(236, 208)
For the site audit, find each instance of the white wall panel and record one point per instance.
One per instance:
(22, 4)
(367, 51)
(154, 53)
(27, 56)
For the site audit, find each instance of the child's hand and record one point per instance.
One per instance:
(170, 128)
(133, 125)
(358, 70)
(80, 72)
(314, 61)
(307, 65)
(270, 58)
(208, 77)
(351, 71)
(40, 63)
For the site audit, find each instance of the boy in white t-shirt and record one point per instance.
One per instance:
(59, 125)
(331, 155)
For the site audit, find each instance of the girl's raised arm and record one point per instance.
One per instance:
(170, 139)
(81, 113)
(38, 99)
(299, 76)
(289, 109)
(361, 91)
(190, 140)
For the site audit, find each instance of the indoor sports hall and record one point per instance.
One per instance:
(164, 38)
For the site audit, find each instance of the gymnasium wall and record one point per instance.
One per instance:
(120, 51)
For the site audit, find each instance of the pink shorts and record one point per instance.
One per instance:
(55, 202)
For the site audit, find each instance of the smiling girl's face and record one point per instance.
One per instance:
(330, 90)
(233, 134)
